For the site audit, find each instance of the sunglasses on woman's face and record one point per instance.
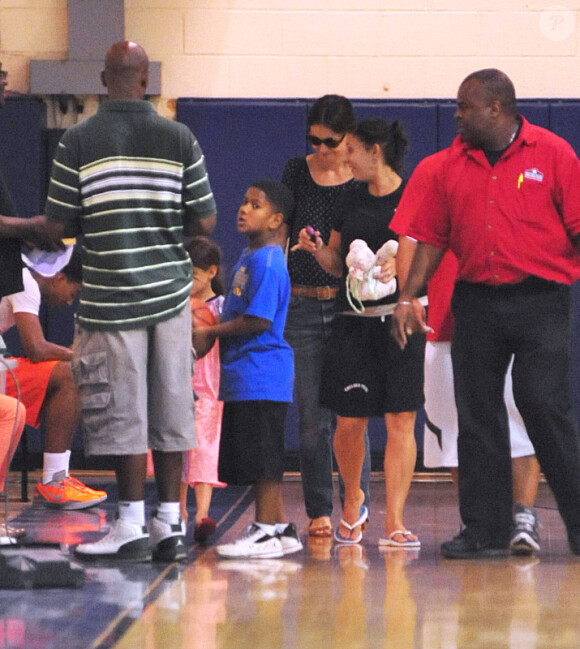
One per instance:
(329, 142)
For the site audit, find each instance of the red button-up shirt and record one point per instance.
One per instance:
(440, 286)
(506, 222)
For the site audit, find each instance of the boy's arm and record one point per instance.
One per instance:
(34, 344)
(241, 326)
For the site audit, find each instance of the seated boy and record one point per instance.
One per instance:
(45, 380)
(257, 373)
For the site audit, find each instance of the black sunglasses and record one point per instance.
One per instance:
(329, 142)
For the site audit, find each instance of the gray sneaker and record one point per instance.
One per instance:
(525, 539)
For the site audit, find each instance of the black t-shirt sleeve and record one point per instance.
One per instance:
(339, 211)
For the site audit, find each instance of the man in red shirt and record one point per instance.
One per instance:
(506, 202)
(440, 434)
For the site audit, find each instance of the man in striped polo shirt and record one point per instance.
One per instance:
(131, 184)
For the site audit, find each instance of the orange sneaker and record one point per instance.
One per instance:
(65, 492)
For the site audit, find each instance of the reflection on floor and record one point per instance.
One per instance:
(327, 596)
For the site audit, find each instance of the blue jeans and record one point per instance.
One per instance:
(307, 330)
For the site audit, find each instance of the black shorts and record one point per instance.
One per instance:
(252, 441)
(366, 374)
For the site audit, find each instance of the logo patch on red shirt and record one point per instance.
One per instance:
(534, 174)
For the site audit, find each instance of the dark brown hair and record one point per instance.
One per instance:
(388, 135)
(205, 253)
(333, 111)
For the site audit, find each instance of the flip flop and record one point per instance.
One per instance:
(320, 532)
(390, 542)
(363, 516)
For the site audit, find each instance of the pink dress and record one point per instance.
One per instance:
(201, 463)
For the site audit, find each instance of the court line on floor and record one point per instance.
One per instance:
(232, 515)
(117, 628)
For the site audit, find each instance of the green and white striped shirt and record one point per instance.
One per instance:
(126, 179)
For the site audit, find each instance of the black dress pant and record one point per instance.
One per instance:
(530, 320)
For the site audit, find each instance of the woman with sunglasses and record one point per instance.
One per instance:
(316, 182)
(365, 374)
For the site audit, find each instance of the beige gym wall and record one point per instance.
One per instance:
(305, 48)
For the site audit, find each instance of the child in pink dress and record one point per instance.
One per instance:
(200, 464)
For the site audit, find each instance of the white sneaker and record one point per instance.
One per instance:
(290, 540)
(167, 541)
(125, 540)
(253, 544)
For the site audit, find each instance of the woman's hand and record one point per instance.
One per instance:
(387, 271)
(308, 241)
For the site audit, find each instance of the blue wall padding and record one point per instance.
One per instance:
(242, 141)
(22, 122)
(419, 121)
(246, 139)
(565, 121)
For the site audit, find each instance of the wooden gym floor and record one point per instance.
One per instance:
(326, 596)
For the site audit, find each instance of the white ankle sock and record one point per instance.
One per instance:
(269, 529)
(169, 513)
(53, 463)
(280, 527)
(132, 511)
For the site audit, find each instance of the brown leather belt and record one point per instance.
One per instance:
(315, 292)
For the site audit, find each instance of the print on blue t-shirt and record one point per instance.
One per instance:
(258, 366)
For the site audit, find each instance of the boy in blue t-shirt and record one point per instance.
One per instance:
(257, 372)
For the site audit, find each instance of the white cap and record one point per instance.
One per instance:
(44, 262)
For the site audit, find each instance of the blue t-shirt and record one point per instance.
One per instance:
(258, 366)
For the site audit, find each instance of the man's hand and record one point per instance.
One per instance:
(42, 235)
(35, 230)
(408, 318)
